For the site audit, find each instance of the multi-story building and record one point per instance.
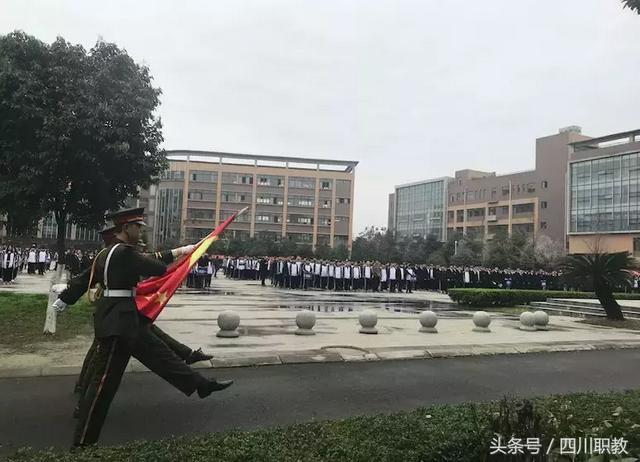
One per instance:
(420, 208)
(603, 191)
(483, 204)
(308, 201)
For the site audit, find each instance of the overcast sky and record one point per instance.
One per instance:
(410, 89)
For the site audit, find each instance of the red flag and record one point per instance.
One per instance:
(153, 294)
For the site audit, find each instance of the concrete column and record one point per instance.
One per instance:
(510, 209)
(315, 213)
(285, 206)
(254, 199)
(185, 195)
(333, 214)
(218, 195)
(351, 199)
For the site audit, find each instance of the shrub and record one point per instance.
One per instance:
(512, 297)
(458, 432)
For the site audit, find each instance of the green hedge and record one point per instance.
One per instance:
(460, 433)
(512, 297)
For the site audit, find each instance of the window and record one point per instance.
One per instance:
(636, 246)
(523, 208)
(201, 214)
(326, 204)
(460, 215)
(531, 187)
(450, 215)
(543, 204)
(203, 176)
(505, 190)
(246, 179)
(324, 221)
(195, 195)
(302, 182)
(263, 200)
(344, 200)
(172, 175)
(494, 191)
(264, 181)
(544, 184)
(543, 225)
(452, 198)
(325, 184)
(263, 218)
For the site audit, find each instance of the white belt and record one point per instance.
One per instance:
(119, 293)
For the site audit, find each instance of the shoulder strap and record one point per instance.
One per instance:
(106, 266)
(93, 269)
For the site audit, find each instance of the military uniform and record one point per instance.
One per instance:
(121, 333)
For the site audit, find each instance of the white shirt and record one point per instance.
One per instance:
(295, 269)
(383, 275)
(339, 272)
(332, 271)
(32, 256)
(356, 272)
(367, 272)
(347, 272)
(42, 256)
(392, 273)
(324, 271)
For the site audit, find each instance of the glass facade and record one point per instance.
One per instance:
(605, 194)
(168, 216)
(420, 209)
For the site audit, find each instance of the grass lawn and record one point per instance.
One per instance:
(22, 320)
(460, 433)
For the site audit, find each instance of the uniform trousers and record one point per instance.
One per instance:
(88, 366)
(110, 361)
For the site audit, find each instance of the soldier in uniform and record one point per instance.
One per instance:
(78, 286)
(121, 332)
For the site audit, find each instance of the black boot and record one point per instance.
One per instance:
(197, 355)
(208, 387)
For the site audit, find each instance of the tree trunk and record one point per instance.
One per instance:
(610, 305)
(61, 220)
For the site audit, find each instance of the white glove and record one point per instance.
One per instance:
(180, 251)
(59, 306)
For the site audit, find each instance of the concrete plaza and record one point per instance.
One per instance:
(267, 325)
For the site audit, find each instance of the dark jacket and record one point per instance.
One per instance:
(118, 316)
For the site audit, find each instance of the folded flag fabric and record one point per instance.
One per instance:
(153, 294)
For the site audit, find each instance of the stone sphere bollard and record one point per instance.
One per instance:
(541, 320)
(228, 321)
(481, 319)
(428, 320)
(368, 320)
(305, 320)
(527, 321)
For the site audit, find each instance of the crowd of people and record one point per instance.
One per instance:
(15, 260)
(203, 271)
(299, 273)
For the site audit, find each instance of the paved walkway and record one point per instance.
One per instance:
(268, 323)
(37, 411)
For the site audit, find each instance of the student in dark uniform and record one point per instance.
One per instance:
(121, 332)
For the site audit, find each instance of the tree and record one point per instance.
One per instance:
(548, 253)
(603, 272)
(633, 5)
(469, 252)
(78, 134)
